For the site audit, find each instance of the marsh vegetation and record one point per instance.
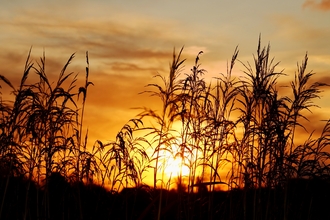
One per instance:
(233, 140)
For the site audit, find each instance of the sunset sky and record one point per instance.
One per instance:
(131, 41)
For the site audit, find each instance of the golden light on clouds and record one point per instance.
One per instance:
(322, 5)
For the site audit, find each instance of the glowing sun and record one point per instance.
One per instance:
(173, 166)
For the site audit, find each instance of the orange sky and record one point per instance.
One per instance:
(131, 41)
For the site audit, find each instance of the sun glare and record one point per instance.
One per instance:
(173, 167)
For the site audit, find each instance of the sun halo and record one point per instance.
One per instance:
(173, 167)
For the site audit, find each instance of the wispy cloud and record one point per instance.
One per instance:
(298, 30)
(120, 36)
(323, 5)
(127, 48)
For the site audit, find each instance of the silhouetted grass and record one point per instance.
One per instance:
(241, 124)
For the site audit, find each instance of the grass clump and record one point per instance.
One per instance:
(238, 124)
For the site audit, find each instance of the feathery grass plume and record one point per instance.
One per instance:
(238, 123)
(258, 106)
(168, 94)
(52, 119)
(258, 92)
(41, 122)
(79, 132)
(221, 126)
(123, 161)
(11, 131)
(303, 94)
(192, 104)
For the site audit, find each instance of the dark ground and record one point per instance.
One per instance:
(298, 199)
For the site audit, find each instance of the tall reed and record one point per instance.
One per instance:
(239, 124)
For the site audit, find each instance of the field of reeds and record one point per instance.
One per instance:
(236, 137)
